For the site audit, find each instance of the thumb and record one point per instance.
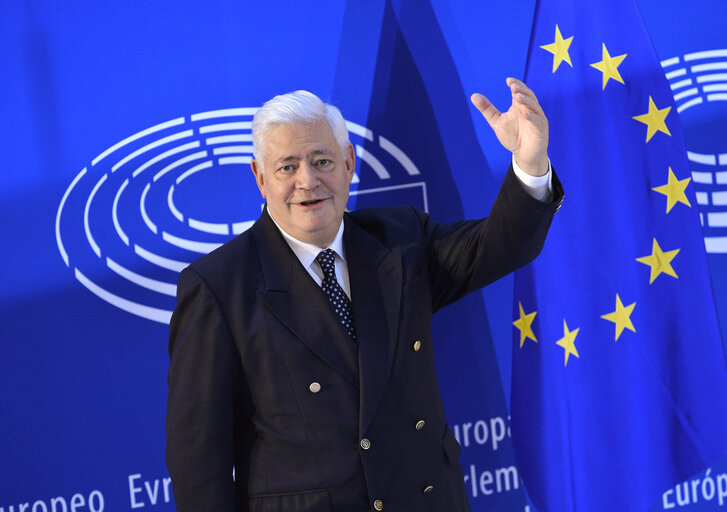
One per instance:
(487, 109)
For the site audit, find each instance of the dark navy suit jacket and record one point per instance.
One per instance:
(252, 333)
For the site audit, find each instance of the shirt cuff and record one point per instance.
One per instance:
(539, 187)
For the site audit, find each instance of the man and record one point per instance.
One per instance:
(311, 372)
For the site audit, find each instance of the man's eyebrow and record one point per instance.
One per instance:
(287, 159)
(315, 152)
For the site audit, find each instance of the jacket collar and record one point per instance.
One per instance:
(299, 303)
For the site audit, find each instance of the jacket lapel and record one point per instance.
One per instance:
(299, 303)
(376, 279)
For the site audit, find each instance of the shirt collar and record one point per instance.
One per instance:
(307, 253)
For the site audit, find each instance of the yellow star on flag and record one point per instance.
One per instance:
(674, 191)
(659, 261)
(568, 342)
(654, 120)
(559, 49)
(621, 317)
(609, 66)
(524, 325)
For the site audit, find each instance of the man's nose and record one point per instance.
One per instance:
(306, 177)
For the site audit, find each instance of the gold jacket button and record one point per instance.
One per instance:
(428, 489)
(366, 444)
(314, 387)
(379, 505)
(420, 425)
(417, 345)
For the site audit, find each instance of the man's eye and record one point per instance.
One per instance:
(324, 162)
(287, 169)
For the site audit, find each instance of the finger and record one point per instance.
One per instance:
(517, 84)
(528, 102)
(536, 118)
(518, 87)
(522, 90)
(528, 105)
(486, 108)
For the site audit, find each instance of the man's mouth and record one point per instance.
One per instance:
(311, 202)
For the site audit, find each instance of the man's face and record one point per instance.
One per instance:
(306, 180)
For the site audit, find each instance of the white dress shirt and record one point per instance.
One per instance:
(539, 187)
(307, 253)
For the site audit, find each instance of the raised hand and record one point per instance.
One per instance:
(523, 129)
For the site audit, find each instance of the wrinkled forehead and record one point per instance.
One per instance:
(301, 141)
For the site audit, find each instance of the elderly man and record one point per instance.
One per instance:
(301, 351)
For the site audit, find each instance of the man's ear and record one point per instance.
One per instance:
(350, 160)
(259, 177)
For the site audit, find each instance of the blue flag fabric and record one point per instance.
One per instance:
(619, 377)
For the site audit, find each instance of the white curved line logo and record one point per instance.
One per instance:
(130, 221)
(701, 79)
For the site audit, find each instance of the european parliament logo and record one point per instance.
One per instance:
(698, 81)
(149, 205)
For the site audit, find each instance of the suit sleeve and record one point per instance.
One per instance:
(468, 255)
(203, 376)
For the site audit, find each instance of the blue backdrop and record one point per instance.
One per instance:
(126, 148)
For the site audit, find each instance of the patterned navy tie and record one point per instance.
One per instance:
(337, 297)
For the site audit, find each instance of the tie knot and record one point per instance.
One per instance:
(326, 259)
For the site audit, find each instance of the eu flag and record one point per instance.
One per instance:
(619, 376)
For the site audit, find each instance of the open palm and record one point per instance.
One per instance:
(523, 129)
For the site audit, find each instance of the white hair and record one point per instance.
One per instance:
(298, 107)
